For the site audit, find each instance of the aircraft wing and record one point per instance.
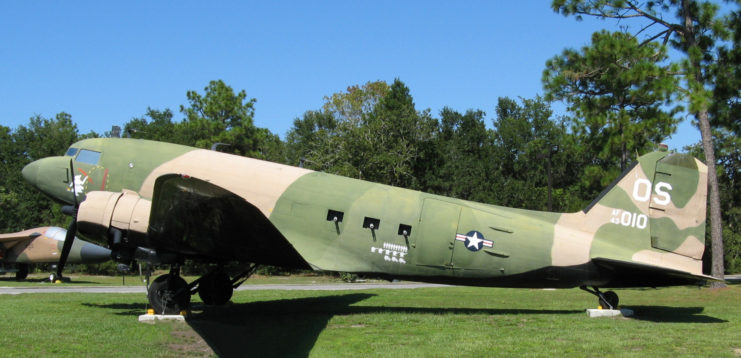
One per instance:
(632, 274)
(194, 217)
(23, 235)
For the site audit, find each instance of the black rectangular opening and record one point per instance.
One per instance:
(334, 215)
(371, 223)
(405, 230)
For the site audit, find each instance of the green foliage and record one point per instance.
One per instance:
(217, 117)
(156, 125)
(459, 161)
(531, 149)
(371, 132)
(221, 116)
(619, 93)
(348, 277)
(23, 207)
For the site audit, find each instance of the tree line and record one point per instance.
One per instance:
(623, 92)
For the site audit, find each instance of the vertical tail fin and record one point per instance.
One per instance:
(654, 213)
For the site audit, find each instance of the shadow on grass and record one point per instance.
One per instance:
(673, 314)
(126, 309)
(282, 328)
(290, 328)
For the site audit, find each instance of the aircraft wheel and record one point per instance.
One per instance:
(215, 288)
(610, 300)
(168, 294)
(22, 272)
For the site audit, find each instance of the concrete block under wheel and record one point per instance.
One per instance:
(609, 313)
(164, 317)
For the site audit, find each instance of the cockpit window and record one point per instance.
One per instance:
(71, 152)
(88, 156)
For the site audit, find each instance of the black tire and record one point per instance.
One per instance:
(168, 294)
(22, 272)
(610, 300)
(215, 288)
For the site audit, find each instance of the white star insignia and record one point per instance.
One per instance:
(474, 241)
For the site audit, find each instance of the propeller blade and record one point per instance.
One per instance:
(74, 186)
(72, 229)
(68, 240)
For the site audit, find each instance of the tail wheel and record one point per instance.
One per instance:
(169, 294)
(215, 288)
(609, 299)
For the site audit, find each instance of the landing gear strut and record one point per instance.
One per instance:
(607, 299)
(170, 294)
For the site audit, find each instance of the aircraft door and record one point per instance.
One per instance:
(439, 222)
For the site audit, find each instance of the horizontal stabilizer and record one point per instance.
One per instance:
(632, 274)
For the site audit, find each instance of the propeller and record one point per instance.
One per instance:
(72, 229)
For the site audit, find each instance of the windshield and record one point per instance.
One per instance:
(71, 152)
(88, 156)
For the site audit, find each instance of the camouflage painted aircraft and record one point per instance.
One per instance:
(164, 203)
(43, 245)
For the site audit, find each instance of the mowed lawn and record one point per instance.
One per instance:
(421, 322)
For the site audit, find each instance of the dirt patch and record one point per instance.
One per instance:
(188, 343)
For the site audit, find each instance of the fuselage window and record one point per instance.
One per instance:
(71, 152)
(88, 156)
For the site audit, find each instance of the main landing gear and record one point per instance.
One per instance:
(607, 299)
(170, 294)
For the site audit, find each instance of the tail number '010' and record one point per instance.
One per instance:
(626, 218)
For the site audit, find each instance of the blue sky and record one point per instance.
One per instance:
(106, 62)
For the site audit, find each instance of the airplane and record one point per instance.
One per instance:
(163, 203)
(43, 245)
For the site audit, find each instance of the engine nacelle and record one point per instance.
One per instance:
(103, 211)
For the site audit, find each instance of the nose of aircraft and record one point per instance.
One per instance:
(50, 176)
(31, 172)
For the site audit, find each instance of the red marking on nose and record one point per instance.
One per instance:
(85, 174)
(105, 177)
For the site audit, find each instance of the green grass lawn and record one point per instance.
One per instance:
(422, 322)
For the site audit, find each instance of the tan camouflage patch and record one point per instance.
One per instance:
(41, 249)
(692, 247)
(669, 260)
(259, 182)
(574, 233)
